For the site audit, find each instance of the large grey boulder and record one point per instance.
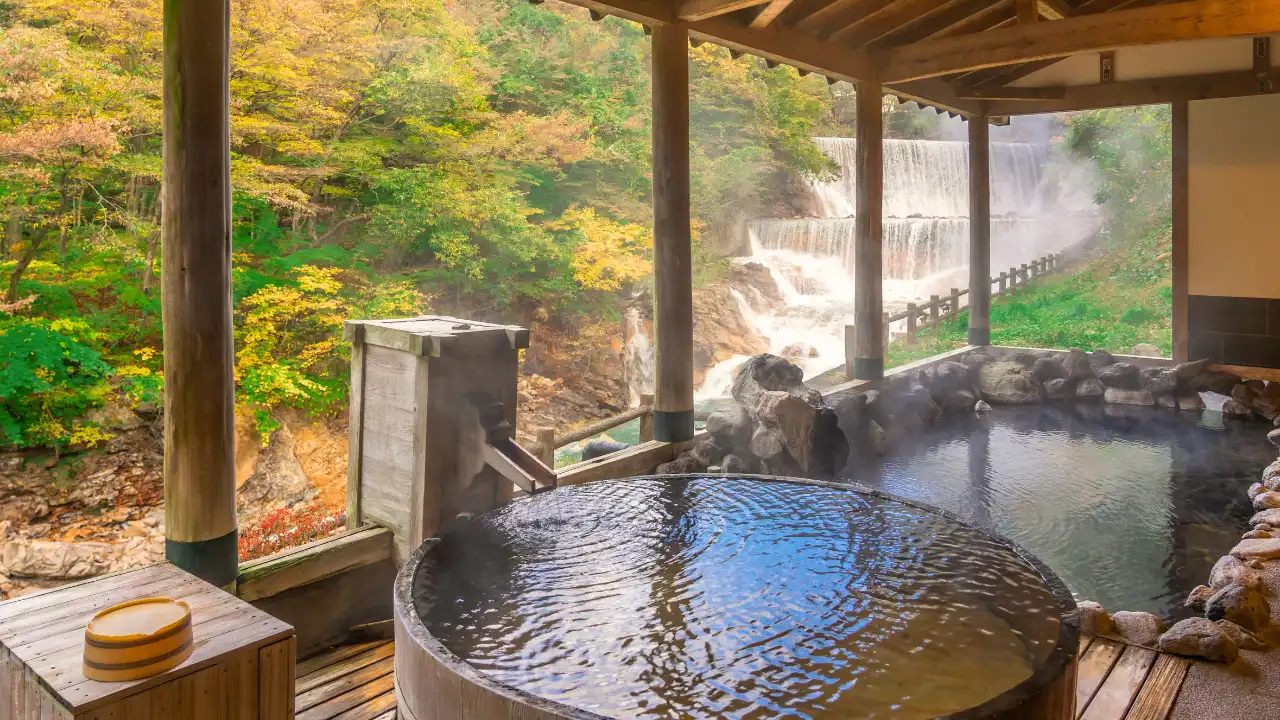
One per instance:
(731, 426)
(1094, 620)
(1048, 368)
(1197, 598)
(1100, 358)
(58, 560)
(773, 393)
(1146, 350)
(1267, 402)
(1190, 401)
(1090, 389)
(1116, 396)
(1008, 383)
(1243, 639)
(1189, 370)
(1230, 570)
(1200, 638)
(1059, 389)
(1243, 606)
(1120, 375)
(1139, 628)
(1215, 381)
(1076, 364)
(1159, 381)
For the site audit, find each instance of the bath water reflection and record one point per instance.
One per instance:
(724, 597)
(1130, 506)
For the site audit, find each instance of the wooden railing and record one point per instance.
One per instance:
(549, 442)
(922, 316)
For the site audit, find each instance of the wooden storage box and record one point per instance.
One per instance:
(241, 669)
(410, 383)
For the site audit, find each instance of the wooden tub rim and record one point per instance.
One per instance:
(1048, 671)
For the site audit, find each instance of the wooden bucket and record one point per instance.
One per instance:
(137, 639)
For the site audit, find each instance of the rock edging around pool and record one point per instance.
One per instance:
(778, 425)
(1242, 595)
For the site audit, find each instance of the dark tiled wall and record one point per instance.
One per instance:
(1234, 330)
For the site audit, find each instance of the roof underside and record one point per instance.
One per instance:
(998, 57)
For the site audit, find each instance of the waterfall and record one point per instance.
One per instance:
(1038, 206)
(637, 357)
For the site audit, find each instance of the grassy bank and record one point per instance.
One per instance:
(1114, 299)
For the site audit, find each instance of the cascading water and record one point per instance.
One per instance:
(637, 357)
(1038, 205)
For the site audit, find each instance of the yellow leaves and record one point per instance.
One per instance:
(319, 280)
(610, 255)
(89, 435)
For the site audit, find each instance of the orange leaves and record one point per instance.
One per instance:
(42, 141)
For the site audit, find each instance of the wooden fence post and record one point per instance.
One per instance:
(911, 323)
(955, 302)
(646, 420)
(1004, 277)
(1024, 272)
(933, 310)
(547, 447)
(850, 350)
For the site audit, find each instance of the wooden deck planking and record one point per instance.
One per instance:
(353, 682)
(1115, 681)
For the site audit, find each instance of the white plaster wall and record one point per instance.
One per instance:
(1191, 57)
(1234, 210)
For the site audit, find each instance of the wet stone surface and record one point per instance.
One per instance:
(726, 597)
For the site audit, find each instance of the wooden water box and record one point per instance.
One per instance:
(241, 668)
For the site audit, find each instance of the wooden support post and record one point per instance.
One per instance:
(547, 447)
(868, 362)
(199, 387)
(912, 311)
(1004, 279)
(980, 232)
(646, 420)
(1180, 256)
(933, 310)
(1024, 273)
(672, 255)
(955, 302)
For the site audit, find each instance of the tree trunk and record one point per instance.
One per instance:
(62, 246)
(12, 233)
(27, 256)
(151, 263)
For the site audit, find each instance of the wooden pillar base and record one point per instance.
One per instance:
(979, 337)
(673, 426)
(216, 561)
(868, 368)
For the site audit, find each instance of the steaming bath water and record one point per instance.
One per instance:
(1131, 508)
(724, 597)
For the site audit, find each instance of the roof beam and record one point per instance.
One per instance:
(1054, 9)
(944, 17)
(1193, 20)
(787, 46)
(1028, 12)
(937, 94)
(838, 13)
(768, 13)
(984, 19)
(1018, 94)
(703, 9)
(874, 26)
(1139, 92)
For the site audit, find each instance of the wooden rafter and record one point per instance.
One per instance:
(1028, 11)
(1018, 94)
(768, 13)
(1193, 20)
(1054, 9)
(786, 45)
(986, 19)
(1138, 92)
(703, 9)
(838, 13)
(873, 26)
(924, 26)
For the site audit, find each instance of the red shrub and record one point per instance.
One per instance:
(288, 527)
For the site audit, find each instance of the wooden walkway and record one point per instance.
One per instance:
(352, 682)
(1114, 682)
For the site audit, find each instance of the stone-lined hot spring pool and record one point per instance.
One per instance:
(1131, 507)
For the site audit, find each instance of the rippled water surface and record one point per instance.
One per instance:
(717, 597)
(1129, 506)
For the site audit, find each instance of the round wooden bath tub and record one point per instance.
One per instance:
(708, 596)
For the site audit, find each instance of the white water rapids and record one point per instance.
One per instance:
(1039, 206)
